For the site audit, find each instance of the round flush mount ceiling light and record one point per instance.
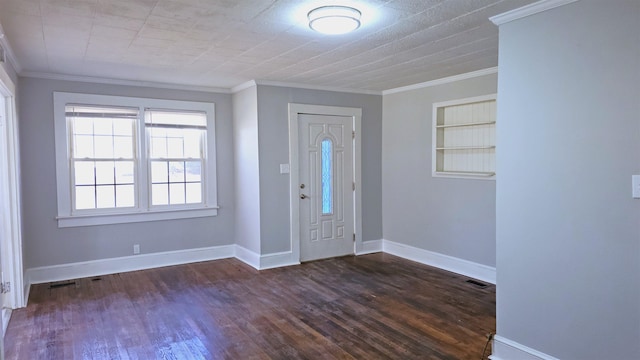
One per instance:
(334, 19)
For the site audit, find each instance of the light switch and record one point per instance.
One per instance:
(635, 186)
(284, 168)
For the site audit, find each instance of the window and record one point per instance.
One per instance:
(176, 156)
(121, 159)
(101, 151)
(464, 138)
(327, 177)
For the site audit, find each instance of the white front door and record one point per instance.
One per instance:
(325, 186)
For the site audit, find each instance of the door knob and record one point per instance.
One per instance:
(303, 196)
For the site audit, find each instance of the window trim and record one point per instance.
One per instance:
(66, 217)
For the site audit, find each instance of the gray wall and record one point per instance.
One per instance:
(273, 125)
(46, 244)
(455, 217)
(247, 169)
(568, 231)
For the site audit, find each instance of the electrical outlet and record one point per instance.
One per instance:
(136, 249)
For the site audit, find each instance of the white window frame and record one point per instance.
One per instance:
(143, 211)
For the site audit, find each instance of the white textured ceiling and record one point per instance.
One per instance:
(224, 43)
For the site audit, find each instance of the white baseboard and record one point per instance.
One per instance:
(260, 262)
(445, 262)
(6, 316)
(128, 263)
(505, 349)
(275, 260)
(248, 257)
(266, 261)
(27, 289)
(368, 247)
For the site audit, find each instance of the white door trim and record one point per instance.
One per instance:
(12, 251)
(294, 201)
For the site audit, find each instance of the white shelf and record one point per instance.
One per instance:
(466, 147)
(465, 124)
(466, 173)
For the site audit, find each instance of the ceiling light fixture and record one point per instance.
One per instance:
(334, 19)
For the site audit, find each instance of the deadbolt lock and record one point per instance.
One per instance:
(301, 186)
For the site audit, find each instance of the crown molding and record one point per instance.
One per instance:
(235, 89)
(317, 87)
(244, 85)
(8, 52)
(528, 10)
(441, 81)
(100, 80)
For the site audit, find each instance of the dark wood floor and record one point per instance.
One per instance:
(367, 307)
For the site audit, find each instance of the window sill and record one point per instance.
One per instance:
(133, 217)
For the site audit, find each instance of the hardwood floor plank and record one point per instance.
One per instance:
(374, 306)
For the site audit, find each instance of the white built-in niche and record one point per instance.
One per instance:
(464, 138)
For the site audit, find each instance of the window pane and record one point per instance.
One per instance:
(104, 172)
(327, 177)
(192, 143)
(158, 147)
(160, 194)
(83, 147)
(159, 172)
(123, 147)
(193, 171)
(103, 127)
(194, 193)
(104, 147)
(105, 197)
(175, 147)
(124, 172)
(176, 193)
(85, 197)
(176, 171)
(83, 126)
(158, 132)
(122, 127)
(84, 173)
(125, 196)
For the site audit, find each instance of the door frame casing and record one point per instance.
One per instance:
(12, 250)
(294, 177)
